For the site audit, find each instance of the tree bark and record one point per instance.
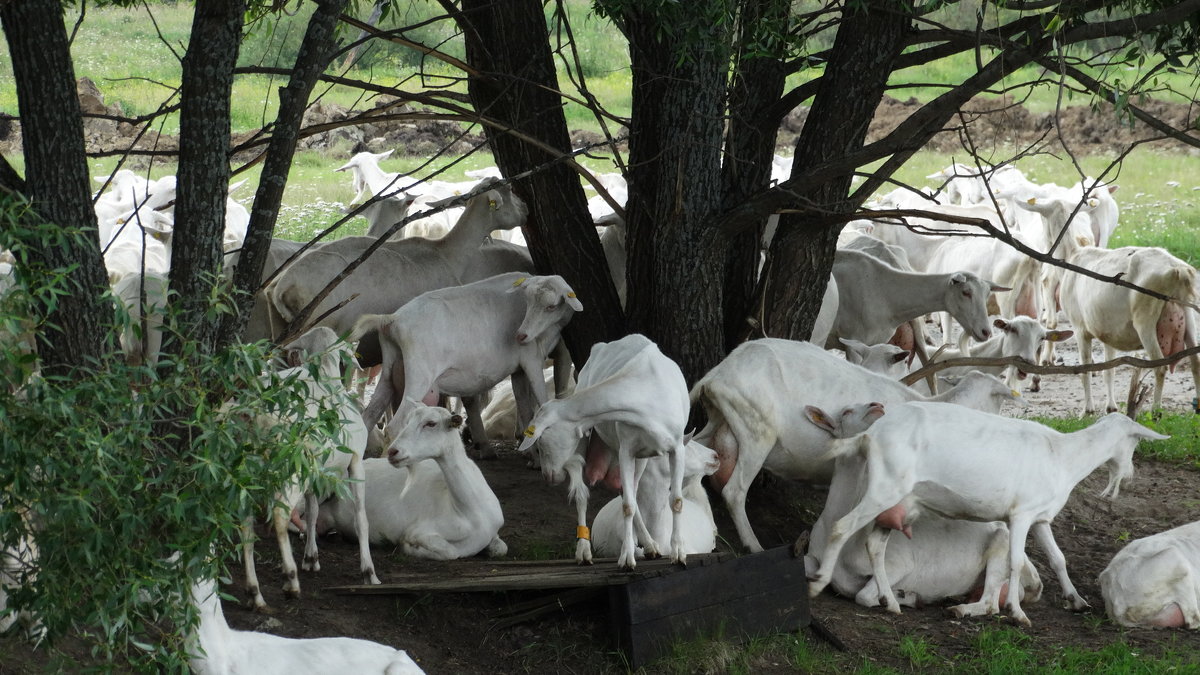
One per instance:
(755, 88)
(74, 330)
(868, 42)
(515, 86)
(314, 56)
(676, 265)
(203, 176)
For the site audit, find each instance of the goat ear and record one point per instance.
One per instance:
(456, 421)
(531, 435)
(901, 355)
(517, 284)
(1112, 188)
(997, 288)
(1058, 335)
(294, 357)
(574, 302)
(1001, 324)
(819, 418)
(851, 345)
(958, 278)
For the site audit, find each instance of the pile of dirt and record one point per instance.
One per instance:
(986, 123)
(392, 125)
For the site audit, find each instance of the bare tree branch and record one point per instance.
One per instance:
(1040, 369)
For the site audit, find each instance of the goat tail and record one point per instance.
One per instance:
(365, 324)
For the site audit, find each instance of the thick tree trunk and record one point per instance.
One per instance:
(56, 180)
(315, 53)
(203, 176)
(868, 42)
(509, 45)
(676, 266)
(757, 84)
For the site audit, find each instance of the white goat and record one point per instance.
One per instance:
(961, 463)
(754, 418)
(499, 416)
(1020, 336)
(874, 298)
(884, 359)
(634, 400)
(401, 270)
(462, 341)
(699, 530)
(1125, 319)
(941, 557)
(323, 391)
(426, 496)
(145, 299)
(1153, 582)
(990, 258)
(216, 649)
(370, 180)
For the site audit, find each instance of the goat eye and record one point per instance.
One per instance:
(966, 294)
(551, 308)
(430, 424)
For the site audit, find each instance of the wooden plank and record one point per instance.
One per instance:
(516, 575)
(753, 595)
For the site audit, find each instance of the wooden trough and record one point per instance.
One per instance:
(717, 594)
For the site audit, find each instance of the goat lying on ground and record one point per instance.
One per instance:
(217, 649)
(1153, 582)
(426, 495)
(696, 519)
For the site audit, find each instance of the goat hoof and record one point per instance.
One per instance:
(292, 593)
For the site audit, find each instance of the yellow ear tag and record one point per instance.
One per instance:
(1052, 338)
(492, 204)
(530, 431)
(1032, 200)
(571, 294)
(1015, 393)
(582, 532)
(120, 221)
(518, 282)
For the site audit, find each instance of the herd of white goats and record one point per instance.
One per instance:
(460, 310)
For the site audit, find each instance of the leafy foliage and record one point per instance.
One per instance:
(128, 479)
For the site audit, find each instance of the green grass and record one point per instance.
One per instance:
(1184, 430)
(994, 650)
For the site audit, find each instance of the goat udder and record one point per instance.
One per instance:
(727, 455)
(596, 462)
(1170, 616)
(1170, 331)
(893, 518)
